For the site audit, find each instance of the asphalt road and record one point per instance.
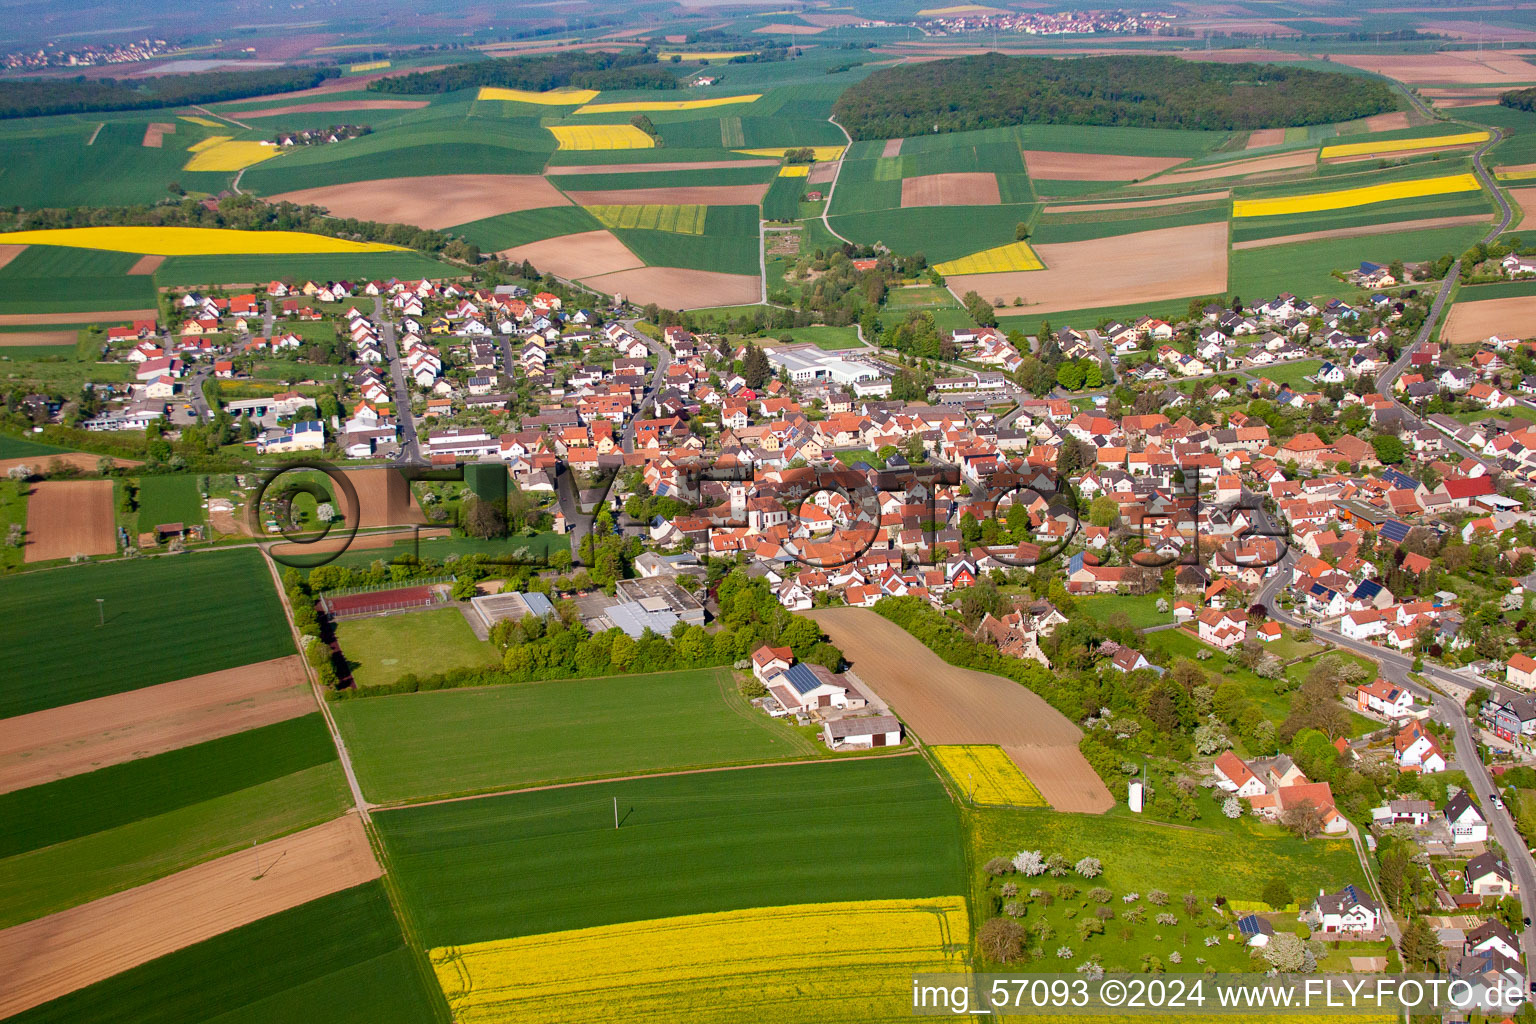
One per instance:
(410, 447)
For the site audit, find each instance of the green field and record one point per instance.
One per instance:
(1142, 610)
(782, 201)
(75, 871)
(189, 271)
(1290, 374)
(506, 230)
(661, 179)
(339, 959)
(823, 336)
(729, 243)
(169, 499)
(419, 745)
(21, 448)
(938, 232)
(1305, 268)
(48, 278)
(550, 860)
(52, 162)
(1425, 207)
(1084, 227)
(536, 547)
(166, 618)
(382, 650)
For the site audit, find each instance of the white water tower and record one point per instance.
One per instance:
(1135, 797)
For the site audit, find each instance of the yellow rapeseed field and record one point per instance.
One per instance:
(1525, 175)
(685, 219)
(651, 106)
(1346, 198)
(1403, 145)
(601, 136)
(1004, 258)
(161, 241)
(939, 12)
(987, 776)
(823, 154)
(372, 65)
(794, 170)
(202, 121)
(227, 155)
(816, 962)
(704, 56)
(553, 98)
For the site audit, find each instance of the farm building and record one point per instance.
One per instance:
(873, 731)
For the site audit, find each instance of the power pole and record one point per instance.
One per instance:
(615, 812)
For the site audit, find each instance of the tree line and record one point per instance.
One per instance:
(1519, 99)
(990, 90)
(538, 73)
(37, 97)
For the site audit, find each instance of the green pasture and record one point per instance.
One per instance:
(420, 745)
(1500, 290)
(1290, 374)
(260, 268)
(551, 860)
(65, 874)
(47, 278)
(341, 959)
(1306, 268)
(383, 649)
(52, 162)
(165, 618)
(662, 155)
(782, 200)
(525, 549)
(169, 499)
(506, 230)
(1014, 318)
(1141, 610)
(823, 336)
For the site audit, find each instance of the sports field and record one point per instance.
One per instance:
(551, 860)
(382, 650)
(763, 964)
(209, 611)
(421, 745)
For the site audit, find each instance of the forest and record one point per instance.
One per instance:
(1520, 99)
(540, 73)
(991, 90)
(36, 97)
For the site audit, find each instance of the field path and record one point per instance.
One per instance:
(945, 704)
(826, 207)
(55, 955)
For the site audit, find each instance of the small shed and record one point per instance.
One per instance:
(870, 731)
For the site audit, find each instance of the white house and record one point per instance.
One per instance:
(1466, 822)
(1415, 750)
(873, 731)
(1348, 911)
(801, 688)
(768, 662)
(1384, 698)
(1234, 776)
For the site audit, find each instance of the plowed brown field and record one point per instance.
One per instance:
(70, 517)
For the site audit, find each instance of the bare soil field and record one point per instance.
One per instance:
(38, 338)
(823, 173)
(363, 542)
(674, 288)
(385, 497)
(1514, 168)
(1265, 137)
(9, 252)
(1094, 166)
(832, 20)
(1473, 322)
(1449, 67)
(966, 188)
(571, 256)
(155, 133)
(439, 201)
(146, 265)
(335, 107)
(1365, 229)
(1453, 102)
(111, 316)
(892, 148)
(47, 958)
(42, 463)
(70, 517)
(1145, 266)
(1139, 204)
(1390, 122)
(683, 195)
(1526, 198)
(945, 704)
(63, 741)
(1238, 168)
(792, 30)
(676, 165)
(1476, 30)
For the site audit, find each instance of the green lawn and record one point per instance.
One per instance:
(339, 959)
(47, 880)
(166, 618)
(1142, 610)
(551, 860)
(823, 337)
(169, 499)
(419, 745)
(382, 650)
(1290, 374)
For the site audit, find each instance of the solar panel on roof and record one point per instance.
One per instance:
(1395, 530)
(802, 678)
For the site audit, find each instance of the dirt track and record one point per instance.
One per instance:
(674, 288)
(1363, 229)
(1094, 166)
(1146, 266)
(682, 195)
(588, 253)
(63, 741)
(70, 517)
(364, 542)
(1472, 322)
(944, 704)
(50, 957)
(969, 188)
(440, 201)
